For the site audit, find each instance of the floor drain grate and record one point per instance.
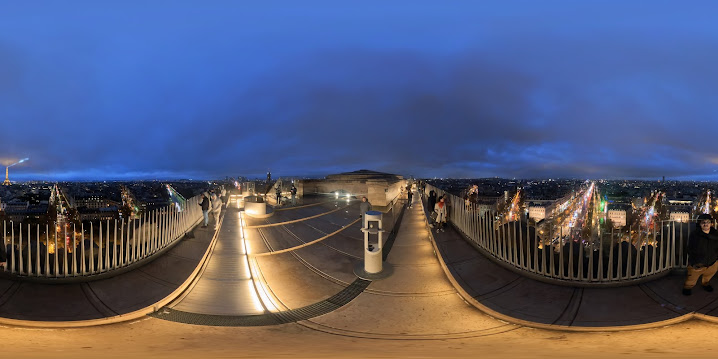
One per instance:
(330, 304)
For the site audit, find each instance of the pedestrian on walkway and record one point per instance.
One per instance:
(223, 192)
(205, 208)
(279, 196)
(216, 209)
(364, 207)
(409, 196)
(431, 201)
(440, 210)
(702, 254)
(293, 191)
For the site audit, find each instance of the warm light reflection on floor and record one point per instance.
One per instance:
(258, 288)
(252, 288)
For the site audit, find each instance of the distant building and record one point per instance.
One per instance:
(680, 216)
(379, 188)
(94, 200)
(618, 217)
(537, 213)
(16, 205)
(99, 214)
(21, 213)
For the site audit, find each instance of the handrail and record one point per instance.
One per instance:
(612, 259)
(98, 251)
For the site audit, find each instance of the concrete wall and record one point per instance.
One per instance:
(379, 192)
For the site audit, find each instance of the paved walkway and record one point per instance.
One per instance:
(416, 301)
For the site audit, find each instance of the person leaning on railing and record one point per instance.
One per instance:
(702, 254)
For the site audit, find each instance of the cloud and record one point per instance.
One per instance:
(538, 97)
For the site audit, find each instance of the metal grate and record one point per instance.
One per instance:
(330, 304)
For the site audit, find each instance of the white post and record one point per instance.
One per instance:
(37, 251)
(47, 252)
(92, 249)
(19, 248)
(115, 260)
(83, 267)
(373, 255)
(74, 249)
(100, 260)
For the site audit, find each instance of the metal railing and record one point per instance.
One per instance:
(614, 257)
(65, 251)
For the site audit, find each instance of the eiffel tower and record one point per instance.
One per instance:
(7, 179)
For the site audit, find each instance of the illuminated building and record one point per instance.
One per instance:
(7, 179)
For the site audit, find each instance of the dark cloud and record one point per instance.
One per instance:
(594, 93)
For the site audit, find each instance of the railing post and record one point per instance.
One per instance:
(591, 250)
(601, 274)
(135, 240)
(610, 253)
(580, 257)
(515, 244)
(38, 272)
(83, 266)
(64, 252)
(19, 249)
(107, 262)
(143, 229)
(123, 257)
(92, 248)
(100, 259)
(115, 260)
(535, 248)
(681, 257)
(74, 250)
(561, 245)
(47, 250)
(56, 267)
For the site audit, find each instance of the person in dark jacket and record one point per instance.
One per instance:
(409, 195)
(205, 209)
(364, 206)
(3, 258)
(431, 201)
(702, 254)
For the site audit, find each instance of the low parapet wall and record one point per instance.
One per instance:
(380, 192)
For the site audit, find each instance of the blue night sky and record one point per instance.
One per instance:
(530, 89)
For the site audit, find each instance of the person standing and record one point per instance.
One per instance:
(216, 209)
(409, 195)
(431, 201)
(702, 255)
(293, 191)
(364, 207)
(440, 210)
(279, 196)
(205, 209)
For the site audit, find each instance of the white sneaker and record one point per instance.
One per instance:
(442, 230)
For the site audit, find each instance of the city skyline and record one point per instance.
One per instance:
(517, 89)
